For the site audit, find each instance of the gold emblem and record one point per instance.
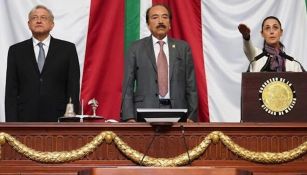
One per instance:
(277, 96)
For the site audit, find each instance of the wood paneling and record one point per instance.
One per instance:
(268, 137)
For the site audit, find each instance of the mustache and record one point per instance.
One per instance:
(161, 26)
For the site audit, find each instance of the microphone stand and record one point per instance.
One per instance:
(283, 54)
(159, 127)
(185, 144)
(303, 70)
(148, 147)
(264, 53)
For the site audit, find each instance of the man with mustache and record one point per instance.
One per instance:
(42, 73)
(159, 70)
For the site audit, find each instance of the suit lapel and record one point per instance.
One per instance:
(172, 56)
(31, 54)
(52, 47)
(150, 52)
(50, 54)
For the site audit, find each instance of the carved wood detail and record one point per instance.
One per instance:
(259, 137)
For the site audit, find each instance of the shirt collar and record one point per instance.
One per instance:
(46, 41)
(155, 40)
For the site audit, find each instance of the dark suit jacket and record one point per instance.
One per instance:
(140, 65)
(32, 96)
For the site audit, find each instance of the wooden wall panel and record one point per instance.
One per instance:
(259, 137)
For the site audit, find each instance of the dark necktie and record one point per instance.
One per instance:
(162, 71)
(41, 57)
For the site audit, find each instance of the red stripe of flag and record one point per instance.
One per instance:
(103, 66)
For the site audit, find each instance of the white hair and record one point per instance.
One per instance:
(42, 7)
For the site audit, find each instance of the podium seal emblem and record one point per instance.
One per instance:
(277, 96)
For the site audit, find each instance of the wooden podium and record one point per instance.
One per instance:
(263, 91)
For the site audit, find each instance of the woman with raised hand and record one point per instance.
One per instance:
(271, 58)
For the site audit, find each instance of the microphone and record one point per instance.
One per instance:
(264, 53)
(284, 55)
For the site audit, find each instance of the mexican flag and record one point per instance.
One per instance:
(103, 29)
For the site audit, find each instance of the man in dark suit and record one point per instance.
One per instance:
(159, 84)
(42, 73)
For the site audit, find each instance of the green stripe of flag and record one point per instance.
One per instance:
(132, 21)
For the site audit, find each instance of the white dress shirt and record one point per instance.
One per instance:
(46, 44)
(156, 47)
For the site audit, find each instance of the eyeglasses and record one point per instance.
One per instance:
(37, 18)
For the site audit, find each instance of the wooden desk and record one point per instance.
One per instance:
(259, 137)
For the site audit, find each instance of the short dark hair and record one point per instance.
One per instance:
(165, 6)
(270, 17)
